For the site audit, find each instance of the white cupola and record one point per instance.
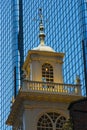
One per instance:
(43, 63)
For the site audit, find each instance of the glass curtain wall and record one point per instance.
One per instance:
(9, 57)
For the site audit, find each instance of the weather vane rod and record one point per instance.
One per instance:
(40, 14)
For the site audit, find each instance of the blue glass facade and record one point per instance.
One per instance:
(65, 28)
(9, 57)
(66, 31)
(84, 38)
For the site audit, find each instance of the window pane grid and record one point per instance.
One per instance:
(48, 120)
(47, 72)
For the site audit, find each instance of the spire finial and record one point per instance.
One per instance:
(41, 35)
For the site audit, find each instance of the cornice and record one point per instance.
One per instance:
(42, 53)
(36, 96)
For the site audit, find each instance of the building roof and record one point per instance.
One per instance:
(83, 99)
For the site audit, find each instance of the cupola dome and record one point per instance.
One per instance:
(44, 48)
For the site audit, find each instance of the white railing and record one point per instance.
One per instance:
(37, 86)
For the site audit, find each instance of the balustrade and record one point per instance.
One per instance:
(51, 87)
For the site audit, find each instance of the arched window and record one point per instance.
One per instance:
(47, 73)
(44, 123)
(51, 121)
(60, 121)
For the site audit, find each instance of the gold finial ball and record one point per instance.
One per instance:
(41, 27)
